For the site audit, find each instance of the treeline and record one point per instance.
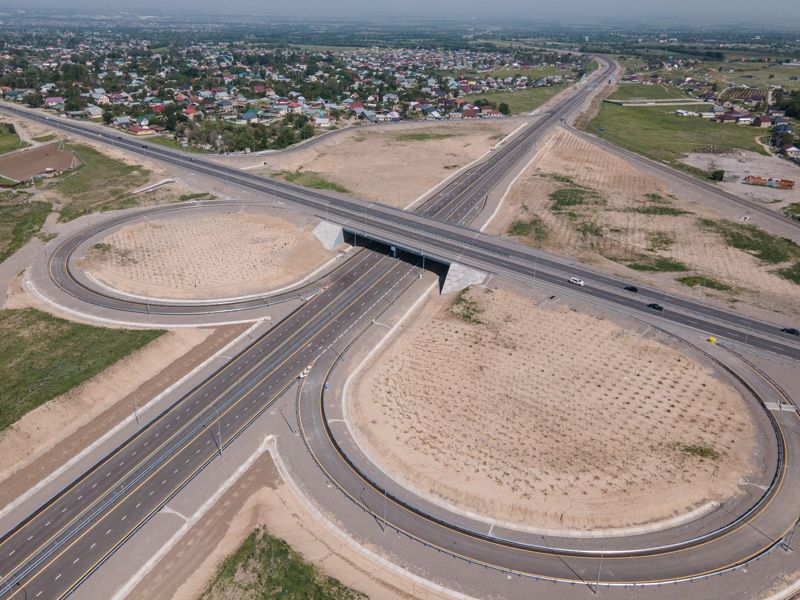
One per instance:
(224, 136)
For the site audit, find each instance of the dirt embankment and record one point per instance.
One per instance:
(578, 200)
(549, 418)
(206, 257)
(394, 165)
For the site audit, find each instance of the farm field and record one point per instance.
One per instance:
(514, 442)
(578, 200)
(43, 356)
(658, 133)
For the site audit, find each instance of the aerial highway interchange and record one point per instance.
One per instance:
(54, 550)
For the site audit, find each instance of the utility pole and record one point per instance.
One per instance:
(136, 414)
(747, 334)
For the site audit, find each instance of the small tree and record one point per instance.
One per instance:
(504, 109)
(717, 175)
(307, 131)
(34, 100)
(108, 116)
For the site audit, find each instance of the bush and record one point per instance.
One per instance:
(716, 175)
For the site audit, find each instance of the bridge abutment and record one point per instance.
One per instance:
(460, 277)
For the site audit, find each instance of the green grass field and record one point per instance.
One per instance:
(310, 179)
(20, 220)
(628, 91)
(9, 140)
(267, 567)
(99, 182)
(42, 357)
(658, 133)
(521, 101)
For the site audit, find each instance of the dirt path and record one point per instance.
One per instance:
(549, 417)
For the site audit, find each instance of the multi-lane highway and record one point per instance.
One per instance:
(435, 230)
(58, 546)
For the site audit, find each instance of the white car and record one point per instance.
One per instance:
(576, 281)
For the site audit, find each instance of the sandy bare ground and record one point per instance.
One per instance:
(739, 165)
(549, 417)
(260, 498)
(206, 257)
(624, 235)
(46, 426)
(378, 163)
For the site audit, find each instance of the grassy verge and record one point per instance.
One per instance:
(267, 567)
(465, 308)
(100, 181)
(657, 264)
(572, 196)
(532, 227)
(45, 138)
(659, 210)
(707, 282)
(765, 247)
(42, 357)
(697, 450)
(792, 210)
(422, 136)
(170, 143)
(9, 140)
(310, 179)
(196, 196)
(658, 133)
(522, 100)
(19, 222)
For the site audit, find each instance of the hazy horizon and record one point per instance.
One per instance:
(782, 14)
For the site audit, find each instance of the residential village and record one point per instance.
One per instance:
(770, 107)
(223, 97)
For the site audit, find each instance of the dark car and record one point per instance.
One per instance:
(655, 306)
(790, 330)
(631, 288)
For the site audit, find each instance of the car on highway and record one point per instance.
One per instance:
(655, 306)
(577, 281)
(631, 288)
(790, 330)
